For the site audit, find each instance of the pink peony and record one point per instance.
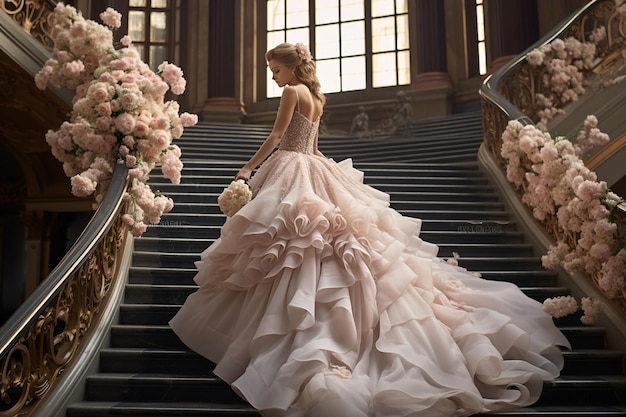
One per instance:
(171, 165)
(560, 306)
(591, 310)
(187, 119)
(125, 123)
(111, 18)
(82, 186)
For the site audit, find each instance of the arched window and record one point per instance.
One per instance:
(357, 44)
(149, 24)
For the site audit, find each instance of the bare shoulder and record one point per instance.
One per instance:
(289, 93)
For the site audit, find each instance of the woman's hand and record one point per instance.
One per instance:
(243, 174)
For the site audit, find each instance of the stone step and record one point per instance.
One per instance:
(184, 276)
(153, 409)
(186, 259)
(429, 178)
(178, 360)
(173, 387)
(197, 245)
(176, 294)
(155, 336)
(399, 201)
(444, 192)
(458, 213)
(562, 411)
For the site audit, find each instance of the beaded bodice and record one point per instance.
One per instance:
(300, 134)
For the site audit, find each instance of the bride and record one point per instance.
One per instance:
(318, 299)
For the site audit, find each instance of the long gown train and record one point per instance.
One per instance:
(318, 299)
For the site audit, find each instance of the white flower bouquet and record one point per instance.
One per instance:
(234, 197)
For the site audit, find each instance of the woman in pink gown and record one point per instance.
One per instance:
(318, 299)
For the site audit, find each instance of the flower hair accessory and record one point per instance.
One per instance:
(304, 52)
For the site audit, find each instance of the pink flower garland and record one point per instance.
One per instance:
(119, 113)
(562, 79)
(556, 184)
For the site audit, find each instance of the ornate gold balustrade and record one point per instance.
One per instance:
(511, 93)
(33, 16)
(51, 329)
(44, 337)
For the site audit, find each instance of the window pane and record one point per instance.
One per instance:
(275, 14)
(136, 29)
(159, 4)
(353, 77)
(403, 31)
(140, 50)
(298, 35)
(326, 11)
(401, 6)
(382, 8)
(273, 90)
(383, 34)
(157, 26)
(327, 41)
(341, 42)
(157, 56)
(404, 68)
(482, 58)
(480, 23)
(353, 38)
(297, 13)
(274, 38)
(384, 70)
(328, 74)
(137, 3)
(352, 10)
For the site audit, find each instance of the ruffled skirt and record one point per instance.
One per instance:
(318, 299)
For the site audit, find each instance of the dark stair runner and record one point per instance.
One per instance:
(147, 371)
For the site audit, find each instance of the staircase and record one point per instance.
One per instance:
(147, 371)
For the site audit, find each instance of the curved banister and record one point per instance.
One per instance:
(489, 89)
(499, 110)
(42, 336)
(100, 223)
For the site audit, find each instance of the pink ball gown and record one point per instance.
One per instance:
(318, 299)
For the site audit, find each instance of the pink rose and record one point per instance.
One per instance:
(125, 123)
(111, 18)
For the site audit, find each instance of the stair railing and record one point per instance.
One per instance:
(33, 17)
(44, 335)
(510, 93)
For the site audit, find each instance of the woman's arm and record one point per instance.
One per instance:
(285, 113)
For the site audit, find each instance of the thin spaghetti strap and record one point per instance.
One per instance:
(297, 100)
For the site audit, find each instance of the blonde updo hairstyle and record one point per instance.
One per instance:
(291, 56)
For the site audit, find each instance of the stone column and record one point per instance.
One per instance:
(221, 104)
(431, 86)
(511, 26)
(550, 13)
